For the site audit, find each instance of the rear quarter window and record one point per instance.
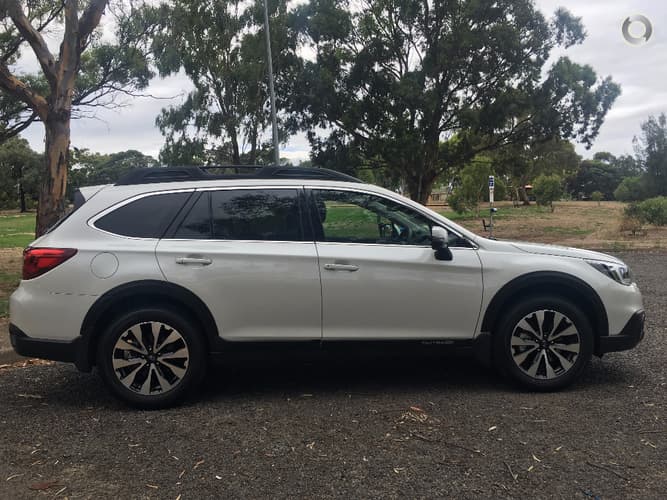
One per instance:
(147, 217)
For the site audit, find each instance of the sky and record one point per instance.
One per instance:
(641, 70)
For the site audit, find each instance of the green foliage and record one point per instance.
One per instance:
(603, 173)
(20, 174)
(473, 187)
(220, 45)
(651, 211)
(547, 189)
(597, 196)
(392, 78)
(631, 189)
(90, 169)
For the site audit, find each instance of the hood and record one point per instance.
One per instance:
(559, 251)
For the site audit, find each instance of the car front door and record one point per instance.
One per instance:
(246, 254)
(380, 277)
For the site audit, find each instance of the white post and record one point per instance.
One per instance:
(492, 185)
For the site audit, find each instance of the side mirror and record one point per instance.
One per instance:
(439, 243)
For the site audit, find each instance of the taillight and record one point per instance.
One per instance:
(37, 261)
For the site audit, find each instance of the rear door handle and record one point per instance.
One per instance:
(341, 267)
(193, 261)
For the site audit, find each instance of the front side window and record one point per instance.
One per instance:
(247, 214)
(351, 217)
(147, 217)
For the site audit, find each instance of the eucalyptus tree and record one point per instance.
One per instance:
(220, 45)
(412, 86)
(88, 71)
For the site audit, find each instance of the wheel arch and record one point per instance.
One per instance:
(137, 294)
(549, 282)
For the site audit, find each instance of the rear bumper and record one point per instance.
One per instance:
(630, 336)
(56, 350)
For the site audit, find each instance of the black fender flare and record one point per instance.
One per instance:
(134, 294)
(549, 282)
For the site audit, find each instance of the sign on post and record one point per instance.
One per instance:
(492, 185)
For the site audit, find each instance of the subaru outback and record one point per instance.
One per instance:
(146, 278)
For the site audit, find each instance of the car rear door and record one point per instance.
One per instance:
(380, 278)
(249, 255)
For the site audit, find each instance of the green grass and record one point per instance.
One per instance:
(17, 230)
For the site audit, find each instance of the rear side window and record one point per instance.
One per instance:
(147, 217)
(265, 215)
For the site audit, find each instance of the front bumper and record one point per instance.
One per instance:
(630, 336)
(56, 350)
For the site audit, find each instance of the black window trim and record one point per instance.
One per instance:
(93, 219)
(314, 218)
(306, 229)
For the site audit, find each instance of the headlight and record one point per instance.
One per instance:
(618, 272)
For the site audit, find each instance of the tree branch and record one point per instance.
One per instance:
(34, 38)
(21, 91)
(90, 19)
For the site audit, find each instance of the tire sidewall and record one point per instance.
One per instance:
(192, 338)
(503, 350)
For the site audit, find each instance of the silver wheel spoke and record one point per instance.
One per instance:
(172, 337)
(129, 378)
(517, 341)
(574, 348)
(570, 330)
(155, 331)
(550, 370)
(565, 363)
(181, 353)
(126, 346)
(164, 384)
(119, 363)
(524, 325)
(520, 358)
(532, 371)
(178, 371)
(540, 322)
(145, 388)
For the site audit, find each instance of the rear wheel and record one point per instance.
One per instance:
(544, 343)
(151, 358)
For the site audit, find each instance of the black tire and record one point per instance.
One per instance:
(184, 369)
(553, 358)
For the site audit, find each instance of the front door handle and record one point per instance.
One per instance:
(341, 267)
(196, 261)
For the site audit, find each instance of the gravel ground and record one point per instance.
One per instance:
(393, 428)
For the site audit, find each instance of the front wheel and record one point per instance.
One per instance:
(543, 343)
(151, 358)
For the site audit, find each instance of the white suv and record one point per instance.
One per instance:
(147, 277)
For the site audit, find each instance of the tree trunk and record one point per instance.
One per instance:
(523, 196)
(22, 197)
(420, 187)
(52, 193)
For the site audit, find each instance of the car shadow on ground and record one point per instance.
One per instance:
(269, 379)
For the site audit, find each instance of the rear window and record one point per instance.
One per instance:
(147, 217)
(267, 214)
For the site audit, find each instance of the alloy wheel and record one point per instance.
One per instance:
(150, 358)
(545, 344)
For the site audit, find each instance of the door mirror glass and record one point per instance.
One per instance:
(439, 243)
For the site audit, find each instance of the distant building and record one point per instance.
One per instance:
(438, 196)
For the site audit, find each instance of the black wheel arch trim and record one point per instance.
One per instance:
(549, 282)
(136, 292)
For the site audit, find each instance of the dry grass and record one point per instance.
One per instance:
(576, 223)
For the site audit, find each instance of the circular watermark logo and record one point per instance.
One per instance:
(632, 38)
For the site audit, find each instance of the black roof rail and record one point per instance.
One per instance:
(192, 173)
